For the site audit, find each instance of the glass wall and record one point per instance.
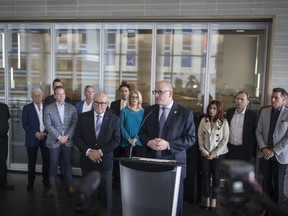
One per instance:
(203, 60)
(28, 67)
(237, 62)
(127, 57)
(181, 58)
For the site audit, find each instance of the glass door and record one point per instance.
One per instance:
(28, 67)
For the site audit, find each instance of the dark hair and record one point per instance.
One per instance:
(124, 84)
(58, 87)
(56, 80)
(282, 91)
(88, 86)
(219, 114)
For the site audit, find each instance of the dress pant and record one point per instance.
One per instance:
(54, 155)
(32, 159)
(273, 179)
(104, 191)
(211, 167)
(3, 159)
(238, 152)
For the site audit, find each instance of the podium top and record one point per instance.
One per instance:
(155, 161)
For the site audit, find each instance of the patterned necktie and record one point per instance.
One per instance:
(98, 125)
(161, 124)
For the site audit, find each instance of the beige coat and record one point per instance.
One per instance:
(213, 141)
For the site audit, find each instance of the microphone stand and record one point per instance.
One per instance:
(131, 147)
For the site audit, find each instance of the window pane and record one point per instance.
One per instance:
(237, 62)
(127, 52)
(77, 57)
(28, 67)
(181, 55)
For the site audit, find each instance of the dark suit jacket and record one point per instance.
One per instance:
(249, 129)
(115, 106)
(79, 106)
(51, 99)
(4, 117)
(178, 130)
(31, 125)
(85, 138)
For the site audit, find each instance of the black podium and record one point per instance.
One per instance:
(149, 186)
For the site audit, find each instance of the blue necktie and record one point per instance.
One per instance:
(98, 125)
(161, 124)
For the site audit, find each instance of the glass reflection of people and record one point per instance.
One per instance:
(272, 138)
(213, 136)
(192, 87)
(35, 137)
(177, 133)
(178, 88)
(130, 120)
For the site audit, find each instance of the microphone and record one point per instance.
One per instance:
(131, 147)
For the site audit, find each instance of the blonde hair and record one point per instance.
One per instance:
(139, 104)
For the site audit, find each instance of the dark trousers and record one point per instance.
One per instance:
(273, 178)
(104, 191)
(238, 153)
(54, 156)
(3, 159)
(32, 159)
(211, 167)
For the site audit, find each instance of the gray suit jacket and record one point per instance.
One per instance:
(55, 127)
(280, 136)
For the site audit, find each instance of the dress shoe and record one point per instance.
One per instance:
(30, 187)
(70, 191)
(49, 194)
(6, 187)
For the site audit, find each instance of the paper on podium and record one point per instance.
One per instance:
(154, 160)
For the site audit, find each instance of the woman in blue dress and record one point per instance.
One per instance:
(130, 118)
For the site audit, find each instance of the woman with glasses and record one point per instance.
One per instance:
(130, 120)
(213, 136)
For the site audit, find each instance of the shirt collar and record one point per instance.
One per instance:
(59, 105)
(96, 114)
(243, 112)
(169, 106)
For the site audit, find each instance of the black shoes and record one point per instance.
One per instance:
(30, 187)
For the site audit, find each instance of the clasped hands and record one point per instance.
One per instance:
(158, 144)
(40, 135)
(63, 139)
(267, 153)
(94, 155)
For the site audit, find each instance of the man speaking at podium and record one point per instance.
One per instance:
(168, 131)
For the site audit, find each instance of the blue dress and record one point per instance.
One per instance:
(130, 121)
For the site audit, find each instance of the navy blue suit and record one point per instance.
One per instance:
(178, 130)
(79, 106)
(31, 125)
(109, 138)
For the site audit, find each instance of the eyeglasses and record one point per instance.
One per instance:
(160, 92)
(134, 98)
(100, 103)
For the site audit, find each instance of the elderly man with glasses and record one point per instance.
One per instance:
(97, 135)
(168, 131)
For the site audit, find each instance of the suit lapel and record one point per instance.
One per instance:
(105, 123)
(280, 118)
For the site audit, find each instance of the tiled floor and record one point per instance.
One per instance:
(20, 202)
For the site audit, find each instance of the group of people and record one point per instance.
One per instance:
(238, 136)
(102, 132)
